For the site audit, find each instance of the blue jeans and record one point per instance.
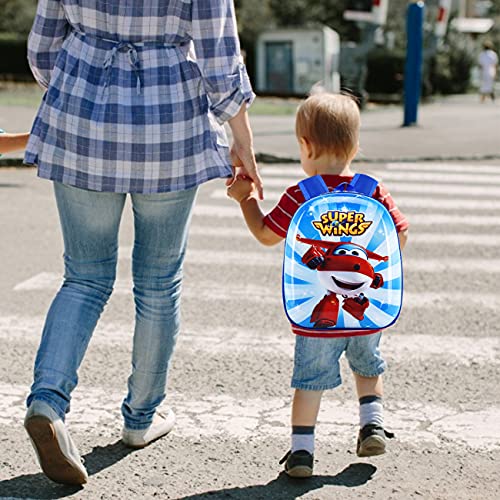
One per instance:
(317, 361)
(90, 222)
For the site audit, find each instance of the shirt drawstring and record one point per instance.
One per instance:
(133, 58)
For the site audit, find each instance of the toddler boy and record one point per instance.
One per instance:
(327, 129)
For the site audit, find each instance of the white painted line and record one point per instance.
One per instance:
(446, 301)
(402, 347)
(273, 257)
(443, 178)
(445, 167)
(208, 290)
(448, 265)
(412, 187)
(226, 211)
(265, 257)
(405, 201)
(295, 171)
(444, 220)
(222, 232)
(290, 176)
(470, 240)
(262, 257)
(96, 410)
(50, 282)
(219, 211)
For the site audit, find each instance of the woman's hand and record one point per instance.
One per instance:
(242, 153)
(243, 160)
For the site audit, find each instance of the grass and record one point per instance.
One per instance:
(274, 106)
(30, 94)
(20, 94)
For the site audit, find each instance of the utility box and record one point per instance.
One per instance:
(292, 61)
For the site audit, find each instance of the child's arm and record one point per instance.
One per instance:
(244, 192)
(382, 194)
(13, 142)
(403, 238)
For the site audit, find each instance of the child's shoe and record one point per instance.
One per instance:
(298, 464)
(371, 440)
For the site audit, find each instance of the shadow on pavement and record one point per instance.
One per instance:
(38, 486)
(286, 488)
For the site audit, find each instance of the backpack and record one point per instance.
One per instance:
(342, 269)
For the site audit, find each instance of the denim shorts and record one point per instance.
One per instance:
(317, 367)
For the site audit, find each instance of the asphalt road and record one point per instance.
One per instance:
(230, 381)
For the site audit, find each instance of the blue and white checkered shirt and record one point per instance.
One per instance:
(136, 92)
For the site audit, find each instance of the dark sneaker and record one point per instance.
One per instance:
(371, 440)
(298, 464)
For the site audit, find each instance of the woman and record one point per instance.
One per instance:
(488, 63)
(129, 108)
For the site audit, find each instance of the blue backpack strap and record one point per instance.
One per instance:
(313, 186)
(363, 184)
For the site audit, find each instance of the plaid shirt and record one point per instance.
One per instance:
(136, 92)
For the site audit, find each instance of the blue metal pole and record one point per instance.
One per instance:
(414, 62)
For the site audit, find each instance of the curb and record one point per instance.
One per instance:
(273, 159)
(12, 162)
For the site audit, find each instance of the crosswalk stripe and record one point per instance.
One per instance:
(96, 410)
(447, 265)
(471, 240)
(123, 286)
(272, 295)
(488, 240)
(435, 187)
(445, 178)
(273, 257)
(398, 348)
(203, 211)
(295, 171)
(404, 201)
(222, 211)
(444, 220)
(445, 167)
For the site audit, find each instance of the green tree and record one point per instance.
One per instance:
(252, 21)
(300, 13)
(17, 16)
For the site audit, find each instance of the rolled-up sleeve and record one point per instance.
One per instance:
(218, 54)
(46, 38)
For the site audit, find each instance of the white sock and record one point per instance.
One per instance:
(371, 411)
(303, 438)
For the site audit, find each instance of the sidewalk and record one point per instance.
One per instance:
(453, 128)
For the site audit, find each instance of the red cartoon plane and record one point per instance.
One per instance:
(343, 269)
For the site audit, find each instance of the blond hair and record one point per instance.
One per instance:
(330, 123)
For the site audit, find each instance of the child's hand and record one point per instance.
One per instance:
(12, 142)
(241, 189)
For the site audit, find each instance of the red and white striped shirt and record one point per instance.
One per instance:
(278, 219)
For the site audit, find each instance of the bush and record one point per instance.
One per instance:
(17, 15)
(14, 62)
(450, 70)
(385, 72)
